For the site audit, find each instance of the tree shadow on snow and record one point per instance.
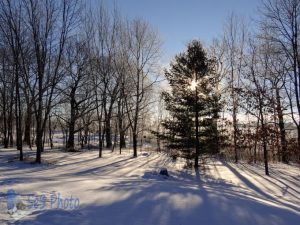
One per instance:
(261, 194)
(164, 202)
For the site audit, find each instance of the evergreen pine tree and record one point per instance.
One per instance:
(193, 104)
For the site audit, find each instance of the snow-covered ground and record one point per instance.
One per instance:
(119, 189)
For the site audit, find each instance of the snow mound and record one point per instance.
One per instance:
(154, 175)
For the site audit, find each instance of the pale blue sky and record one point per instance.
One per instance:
(179, 21)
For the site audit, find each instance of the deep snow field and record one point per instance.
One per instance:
(79, 188)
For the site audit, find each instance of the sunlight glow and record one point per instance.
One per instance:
(194, 84)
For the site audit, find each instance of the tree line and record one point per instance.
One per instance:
(262, 75)
(246, 103)
(65, 64)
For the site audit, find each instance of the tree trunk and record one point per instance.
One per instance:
(120, 121)
(235, 135)
(122, 139)
(39, 118)
(134, 142)
(50, 132)
(99, 118)
(100, 139)
(265, 154)
(264, 139)
(196, 164)
(5, 123)
(108, 132)
(115, 137)
(27, 132)
(86, 135)
(255, 142)
(70, 142)
(135, 130)
(19, 121)
(10, 124)
(39, 144)
(18, 110)
(281, 128)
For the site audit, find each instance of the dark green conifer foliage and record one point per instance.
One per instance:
(186, 100)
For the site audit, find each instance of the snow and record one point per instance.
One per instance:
(119, 189)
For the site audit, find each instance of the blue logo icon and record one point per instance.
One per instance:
(11, 199)
(15, 206)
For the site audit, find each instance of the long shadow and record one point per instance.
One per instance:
(275, 178)
(79, 162)
(166, 203)
(278, 180)
(295, 179)
(93, 170)
(252, 172)
(135, 164)
(198, 178)
(115, 166)
(250, 185)
(100, 170)
(23, 180)
(20, 168)
(83, 159)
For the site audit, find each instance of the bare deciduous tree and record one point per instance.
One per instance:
(143, 47)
